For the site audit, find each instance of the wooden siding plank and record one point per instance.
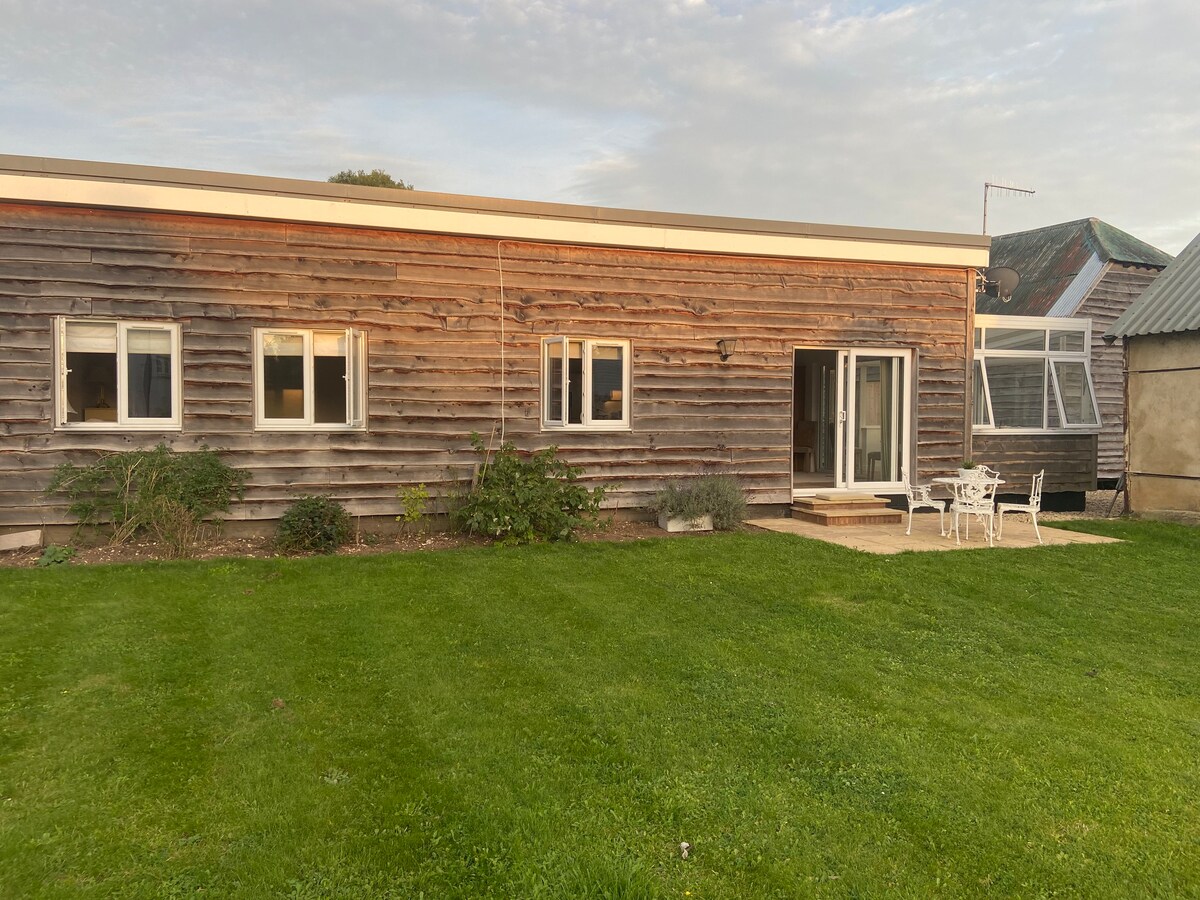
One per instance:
(430, 307)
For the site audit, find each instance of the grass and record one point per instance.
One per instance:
(554, 721)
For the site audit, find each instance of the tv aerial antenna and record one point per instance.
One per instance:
(1004, 188)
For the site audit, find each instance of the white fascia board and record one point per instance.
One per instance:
(308, 210)
(1040, 323)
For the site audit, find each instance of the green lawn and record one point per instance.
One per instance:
(553, 721)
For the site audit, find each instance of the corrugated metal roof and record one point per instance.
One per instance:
(1170, 304)
(1093, 270)
(1058, 260)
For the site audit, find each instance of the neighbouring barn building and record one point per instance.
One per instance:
(1161, 334)
(1085, 270)
(347, 340)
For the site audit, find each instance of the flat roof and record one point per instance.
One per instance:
(119, 186)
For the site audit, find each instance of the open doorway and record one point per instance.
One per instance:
(851, 418)
(814, 419)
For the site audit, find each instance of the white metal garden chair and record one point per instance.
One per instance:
(919, 498)
(975, 495)
(1033, 507)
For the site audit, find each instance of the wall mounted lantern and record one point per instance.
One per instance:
(727, 347)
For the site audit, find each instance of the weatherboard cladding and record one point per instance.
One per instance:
(430, 306)
(1171, 304)
(1111, 296)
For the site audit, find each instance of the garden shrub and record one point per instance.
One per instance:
(55, 555)
(159, 493)
(679, 500)
(722, 497)
(520, 499)
(717, 495)
(313, 525)
(413, 499)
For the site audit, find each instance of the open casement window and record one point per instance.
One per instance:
(1076, 406)
(585, 383)
(1033, 375)
(123, 375)
(309, 379)
(981, 405)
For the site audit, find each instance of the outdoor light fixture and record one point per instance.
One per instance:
(727, 347)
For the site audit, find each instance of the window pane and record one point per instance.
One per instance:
(978, 401)
(1076, 395)
(87, 338)
(1018, 391)
(329, 377)
(608, 389)
(876, 383)
(574, 382)
(978, 338)
(554, 374)
(1015, 339)
(91, 372)
(283, 376)
(329, 389)
(357, 376)
(1052, 417)
(329, 343)
(1066, 341)
(148, 373)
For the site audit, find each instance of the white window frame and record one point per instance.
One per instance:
(356, 382)
(123, 422)
(586, 423)
(1049, 371)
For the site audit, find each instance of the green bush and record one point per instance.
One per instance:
(159, 492)
(679, 500)
(717, 495)
(55, 555)
(722, 496)
(522, 499)
(313, 525)
(414, 499)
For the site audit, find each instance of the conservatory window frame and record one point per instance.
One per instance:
(1050, 379)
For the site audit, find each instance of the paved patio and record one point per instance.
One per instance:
(1018, 532)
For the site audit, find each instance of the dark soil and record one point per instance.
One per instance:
(262, 548)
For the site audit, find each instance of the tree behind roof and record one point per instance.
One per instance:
(374, 178)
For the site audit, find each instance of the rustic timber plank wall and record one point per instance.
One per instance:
(1069, 460)
(1119, 287)
(430, 307)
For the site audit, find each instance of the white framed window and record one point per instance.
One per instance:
(585, 383)
(1033, 375)
(115, 374)
(310, 379)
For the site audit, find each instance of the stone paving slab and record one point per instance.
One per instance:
(1018, 533)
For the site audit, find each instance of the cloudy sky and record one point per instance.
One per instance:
(889, 114)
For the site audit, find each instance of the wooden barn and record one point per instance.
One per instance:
(346, 340)
(1076, 275)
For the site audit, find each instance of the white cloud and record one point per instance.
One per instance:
(869, 113)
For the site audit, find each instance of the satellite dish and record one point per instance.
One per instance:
(1001, 281)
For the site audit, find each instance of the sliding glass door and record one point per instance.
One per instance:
(852, 418)
(877, 416)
